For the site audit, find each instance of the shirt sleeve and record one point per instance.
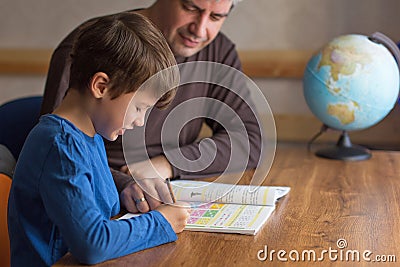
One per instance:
(220, 136)
(69, 201)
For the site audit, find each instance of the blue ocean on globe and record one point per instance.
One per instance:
(352, 83)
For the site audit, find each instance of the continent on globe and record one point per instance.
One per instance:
(343, 112)
(343, 59)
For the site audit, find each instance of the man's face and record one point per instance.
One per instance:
(190, 25)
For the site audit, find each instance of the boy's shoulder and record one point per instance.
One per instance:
(56, 137)
(51, 125)
(54, 130)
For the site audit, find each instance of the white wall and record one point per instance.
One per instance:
(253, 25)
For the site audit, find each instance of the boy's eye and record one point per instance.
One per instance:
(138, 109)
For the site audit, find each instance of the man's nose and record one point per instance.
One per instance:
(199, 27)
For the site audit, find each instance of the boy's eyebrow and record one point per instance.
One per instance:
(190, 2)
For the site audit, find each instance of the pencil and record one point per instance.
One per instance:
(170, 190)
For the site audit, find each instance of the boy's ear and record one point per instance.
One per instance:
(99, 84)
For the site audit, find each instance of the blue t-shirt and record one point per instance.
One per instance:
(62, 198)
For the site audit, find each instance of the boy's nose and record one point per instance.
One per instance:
(139, 121)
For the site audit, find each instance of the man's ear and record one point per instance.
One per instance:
(99, 84)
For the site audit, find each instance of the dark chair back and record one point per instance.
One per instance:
(17, 119)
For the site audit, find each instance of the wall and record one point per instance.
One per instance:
(253, 25)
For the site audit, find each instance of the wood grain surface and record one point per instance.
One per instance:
(331, 203)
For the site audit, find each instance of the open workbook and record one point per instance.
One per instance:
(226, 208)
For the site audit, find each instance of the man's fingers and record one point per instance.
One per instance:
(141, 204)
(164, 193)
(125, 169)
(153, 203)
(139, 199)
(147, 196)
(128, 203)
(132, 198)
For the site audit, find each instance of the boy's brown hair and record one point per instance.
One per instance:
(129, 49)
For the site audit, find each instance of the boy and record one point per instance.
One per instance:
(63, 194)
(193, 30)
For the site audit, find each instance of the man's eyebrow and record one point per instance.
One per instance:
(222, 15)
(190, 2)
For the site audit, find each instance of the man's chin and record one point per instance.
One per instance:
(186, 51)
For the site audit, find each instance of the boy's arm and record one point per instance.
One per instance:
(69, 200)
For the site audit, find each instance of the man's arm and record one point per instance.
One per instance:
(121, 180)
(57, 82)
(184, 157)
(58, 75)
(243, 108)
(191, 150)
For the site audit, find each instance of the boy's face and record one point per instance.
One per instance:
(190, 25)
(122, 113)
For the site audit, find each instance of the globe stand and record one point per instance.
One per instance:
(344, 150)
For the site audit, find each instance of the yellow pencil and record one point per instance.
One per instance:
(170, 190)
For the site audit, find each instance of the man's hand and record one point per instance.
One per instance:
(145, 195)
(156, 167)
(149, 190)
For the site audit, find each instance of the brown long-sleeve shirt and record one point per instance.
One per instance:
(220, 50)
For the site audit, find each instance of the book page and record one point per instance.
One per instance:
(199, 191)
(226, 208)
(224, 218)
(228, 218)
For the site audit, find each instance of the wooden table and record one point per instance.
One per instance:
(331, 204)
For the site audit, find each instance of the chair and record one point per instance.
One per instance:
(7, 161)
(17, 118)
(5, 185)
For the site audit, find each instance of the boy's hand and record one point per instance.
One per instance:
(176, 214)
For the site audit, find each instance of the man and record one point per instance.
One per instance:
(192, 29)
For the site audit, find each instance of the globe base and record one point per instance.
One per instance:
(354, 153)
(344, 150)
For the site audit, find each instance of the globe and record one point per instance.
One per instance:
(352, 83)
